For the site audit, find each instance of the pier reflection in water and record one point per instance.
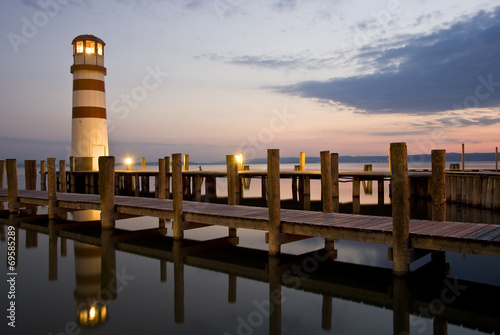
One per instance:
(123, 282)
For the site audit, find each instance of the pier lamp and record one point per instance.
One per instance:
(239, 160)
(128, 162)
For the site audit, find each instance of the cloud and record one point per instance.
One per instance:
(452, 68)
(278, 62)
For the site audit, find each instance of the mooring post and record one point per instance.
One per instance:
(62, 176)
(143, 162)
(167, 177)
(30, 180)
(438, 191)
(2, 173)
(496, 194)
(107, 191)
(302, 161)
(43, 185)
(496, 159)
(400, 209)
(177, 195)
(30, 174)
(326, 182)
(72, 184)
(52, 187)
(232, 179)
(161, 178)
(463, 156)
(161, 187)
(274, 200)
(334, 162)
(13, 189)
(356, 195)
(210, 188)
(187, 179)
(232, 185)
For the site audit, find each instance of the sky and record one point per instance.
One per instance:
(217, 77)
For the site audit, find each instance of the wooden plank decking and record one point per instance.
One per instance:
(472, 238)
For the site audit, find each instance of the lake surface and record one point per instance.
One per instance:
(155, 286)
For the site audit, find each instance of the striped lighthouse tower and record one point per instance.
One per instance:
(89, 137)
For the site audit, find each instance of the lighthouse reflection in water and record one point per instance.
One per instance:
(91, 298)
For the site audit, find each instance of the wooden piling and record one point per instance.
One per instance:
(232, 179)
(356, 192)
(438, 190)
(143, 162)
(210, 188)
(167, 177)
(72, 181)
(326, 182)
(62, 176)
(334, 163)
(232, 185)
(496, 159)
(463, 156)
(177, 196)
(306, 192)
(274, 200)
(496, 194)
(30, 174)
(43, 176)
(302, 161)
(107, 191)
(13, 188)
(400, 209)
(2, 173)
(161, 178)
(52, 187)
(380, 191)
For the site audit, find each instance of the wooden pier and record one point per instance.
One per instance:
(409, 239)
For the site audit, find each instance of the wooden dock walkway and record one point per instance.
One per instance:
(409, 239)
(468, 238)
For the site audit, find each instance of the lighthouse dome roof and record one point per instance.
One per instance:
(87, 37)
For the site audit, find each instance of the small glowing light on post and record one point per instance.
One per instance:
(128, 162)
(92, 313)
(239, 158)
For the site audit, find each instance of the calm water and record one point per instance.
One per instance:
(65, 286)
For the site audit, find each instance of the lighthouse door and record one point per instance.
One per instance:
(97, 151)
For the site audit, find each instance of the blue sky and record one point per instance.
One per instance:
(225, 76)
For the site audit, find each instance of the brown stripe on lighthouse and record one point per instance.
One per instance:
(93, 112)
(88, 84)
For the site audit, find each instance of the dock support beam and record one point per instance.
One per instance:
(107, 191)
(2, 172)
(161, 186)
(274, 200)
(63, 181)
(326, 182)
(438, 191)
(52, 187)
(400, 209)
(232, 185)
(177, 195)
(335, 181)
(13, 195)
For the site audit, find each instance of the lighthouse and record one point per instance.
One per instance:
(89, 133)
